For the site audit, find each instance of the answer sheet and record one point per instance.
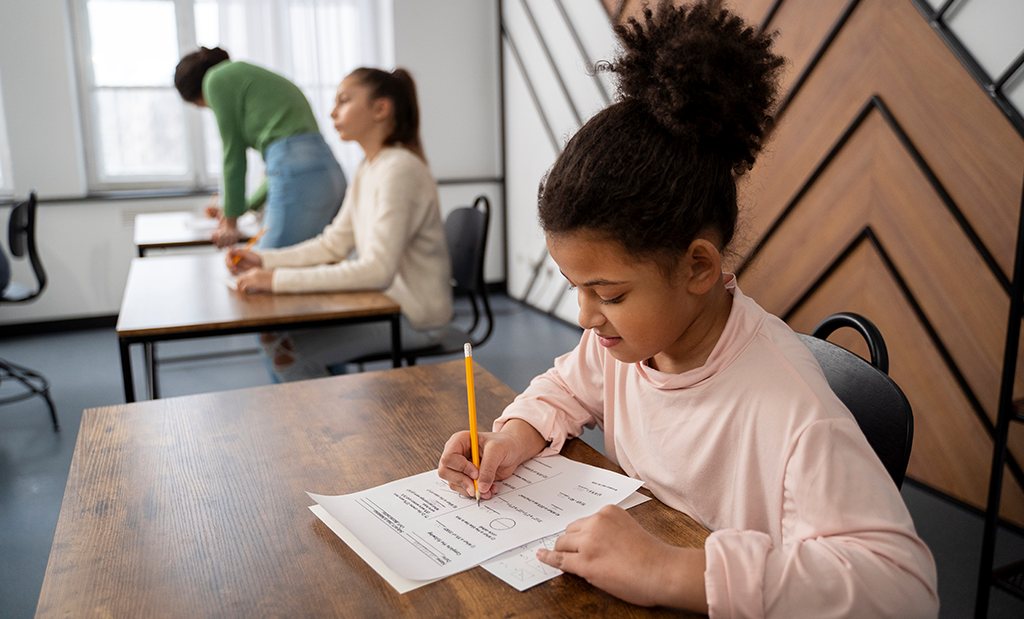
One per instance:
(423, 530)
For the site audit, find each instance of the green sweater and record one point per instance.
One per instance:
(253, 107)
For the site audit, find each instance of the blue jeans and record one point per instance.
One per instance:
(305, 187)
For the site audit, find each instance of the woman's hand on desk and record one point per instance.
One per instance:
(226, 233)
(255, 281)
(240, 260)
(614, 553)
(212, 208)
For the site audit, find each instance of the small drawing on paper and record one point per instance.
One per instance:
(502, 524)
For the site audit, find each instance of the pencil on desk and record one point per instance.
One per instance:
(249, 245)
(474, 442)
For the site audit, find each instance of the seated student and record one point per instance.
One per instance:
(714, 403)
(256, 108)
(388, 236)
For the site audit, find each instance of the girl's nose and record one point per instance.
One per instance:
(590, 314)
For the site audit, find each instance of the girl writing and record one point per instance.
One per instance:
(709, 399)
(388, 236)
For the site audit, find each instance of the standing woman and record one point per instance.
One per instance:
(256, 108)
(388, 236)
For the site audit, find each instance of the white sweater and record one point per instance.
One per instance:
(387, 236)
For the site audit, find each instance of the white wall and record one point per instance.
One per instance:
(546, 101)
(451, 49)
(40, 97)
(86, 245)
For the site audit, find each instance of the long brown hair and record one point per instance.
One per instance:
(399, 87)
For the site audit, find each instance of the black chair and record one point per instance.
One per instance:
(876, 401)
(21, 238)
(465, 230)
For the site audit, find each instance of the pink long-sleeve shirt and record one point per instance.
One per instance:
(805, 520)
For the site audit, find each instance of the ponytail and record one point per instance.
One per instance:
(399, 87)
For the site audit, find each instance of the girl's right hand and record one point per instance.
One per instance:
(501, 453)
(241, 260)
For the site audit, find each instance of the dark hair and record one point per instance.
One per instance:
(399, 87)
(188, 75)
(657, 167)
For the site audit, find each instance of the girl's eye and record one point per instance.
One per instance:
(572, 287)
(617, 299)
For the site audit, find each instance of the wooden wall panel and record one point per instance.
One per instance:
(943, 454)
(807, 23)
(910, 219)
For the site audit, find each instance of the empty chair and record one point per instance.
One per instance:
(876, 401)
(465, 231)
(21, 237)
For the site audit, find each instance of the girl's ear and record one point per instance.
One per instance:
(703, 266)
(382, 109)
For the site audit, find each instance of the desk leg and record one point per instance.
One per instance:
(396, 341)
(151, 378)
(126, 372)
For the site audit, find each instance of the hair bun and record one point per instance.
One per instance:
(702, 74)
(213, 55)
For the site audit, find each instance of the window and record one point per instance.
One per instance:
(138, 131)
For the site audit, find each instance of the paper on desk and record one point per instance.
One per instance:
(423, 530)
(521, 568)
(248, 223)
(202, 223)
(518, 567)
(401, 585)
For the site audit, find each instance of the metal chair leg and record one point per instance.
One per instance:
(35, 384)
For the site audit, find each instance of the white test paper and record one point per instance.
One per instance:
(520, 566)
(423, 530)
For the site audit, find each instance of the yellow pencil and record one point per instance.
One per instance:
(474, 442)
(249, 245)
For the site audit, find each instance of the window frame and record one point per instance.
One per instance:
(196, 177)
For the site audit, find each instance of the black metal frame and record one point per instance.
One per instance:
(21, 235)
(994, 87)
(1008, 578)
(34, 383)
(126, 341)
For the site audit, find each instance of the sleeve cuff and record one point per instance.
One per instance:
(734, 576)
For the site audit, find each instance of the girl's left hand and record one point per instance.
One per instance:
(613, 552)
(255, 281)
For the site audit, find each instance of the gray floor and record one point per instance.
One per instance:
(84, 371)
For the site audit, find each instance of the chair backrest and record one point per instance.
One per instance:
(466, 232)
(21, 239)
(876, 401)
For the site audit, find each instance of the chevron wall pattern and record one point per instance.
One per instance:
(891, 186)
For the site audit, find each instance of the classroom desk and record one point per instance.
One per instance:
(196, 506)
(182, 229)
(187, 296)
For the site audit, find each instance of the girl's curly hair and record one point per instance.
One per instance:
(657, 167)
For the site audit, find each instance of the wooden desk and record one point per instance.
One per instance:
(182, 229)
(187, 296)
(196, 506)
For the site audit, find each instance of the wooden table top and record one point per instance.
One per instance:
(189, 293)
(183, 229)
(196, 506)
